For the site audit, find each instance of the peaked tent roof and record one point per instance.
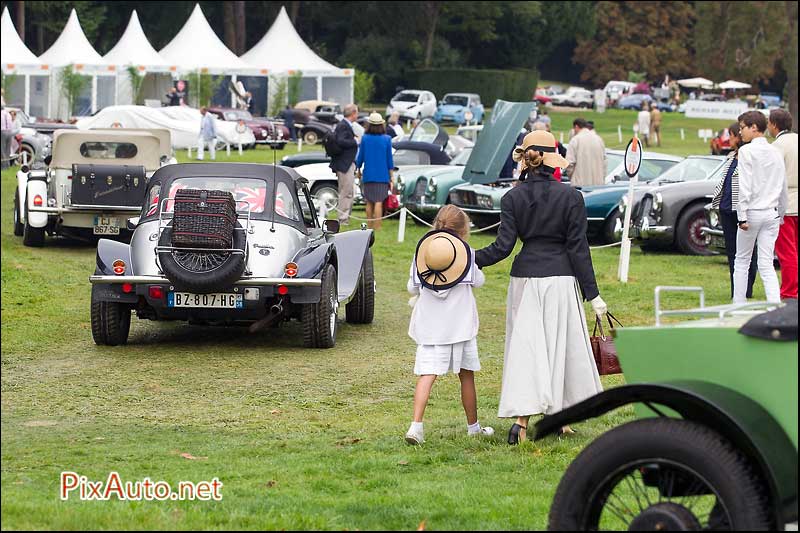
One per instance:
(294, 52)
(72, 47)
(197, 47)
(133, 48)
(12, 49)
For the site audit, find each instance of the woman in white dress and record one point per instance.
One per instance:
(548, 362)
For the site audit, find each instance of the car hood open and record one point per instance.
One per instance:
(496, 141)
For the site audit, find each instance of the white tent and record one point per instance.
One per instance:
(17, 60)
(733, 84)
(283, 52)
(73, 48)
(197, 48)
(134, 50)
(696, 83)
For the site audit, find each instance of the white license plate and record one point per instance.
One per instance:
(106, 225)
(219, 300)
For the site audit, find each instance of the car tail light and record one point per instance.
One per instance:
(290, 269)
(119, 267)
(127, 288)
(37, 200)
(69, 177)
(283, 290)
(156, 292)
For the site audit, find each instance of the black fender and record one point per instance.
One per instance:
(745, 423)
(310, 264)
(351, 250)
(109, 251)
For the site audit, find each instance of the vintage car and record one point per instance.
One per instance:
(714, 443)
(264, 131)
(93, 181)
(574, 97)
(460, 108)
(34, 144)
(602, 200)
(282, 262)
(305, 158)
(672, 215)
(634, 101)
(308, 126)
(412, 104)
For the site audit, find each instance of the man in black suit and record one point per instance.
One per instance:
(343, 163)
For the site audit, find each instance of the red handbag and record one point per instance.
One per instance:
(391, 203)
(605, 353)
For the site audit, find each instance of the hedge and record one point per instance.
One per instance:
(511, 85)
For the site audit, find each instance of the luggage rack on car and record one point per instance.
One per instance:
(720, 311)
(162, 223)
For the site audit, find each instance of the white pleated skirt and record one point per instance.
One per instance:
(548, 363)
(441, 359)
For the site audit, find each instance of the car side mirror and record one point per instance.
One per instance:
(132, 223)
(48, 159)
(330, 226)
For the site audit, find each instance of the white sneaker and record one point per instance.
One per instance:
(485, 431)
(414, 437)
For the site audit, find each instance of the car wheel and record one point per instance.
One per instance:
(19, 227)
(310, 137)
(660, 474)
(32, 236)
(27, 154)
(319, 319)
(361, 308)
(111, 322)
(202, 272)
(610, 226)
(327, 195)
(688, 237)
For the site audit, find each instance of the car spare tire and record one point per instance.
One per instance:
(202, 272)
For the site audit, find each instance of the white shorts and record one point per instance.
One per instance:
(444, 358)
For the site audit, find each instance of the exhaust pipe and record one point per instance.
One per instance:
(274, 312)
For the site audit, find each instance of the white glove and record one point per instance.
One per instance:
(413, 301)
(599, 306)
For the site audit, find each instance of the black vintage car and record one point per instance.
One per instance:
(281, 263)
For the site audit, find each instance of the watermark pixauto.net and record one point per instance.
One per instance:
(74, 485)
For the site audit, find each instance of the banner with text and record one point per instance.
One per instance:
(720, 110)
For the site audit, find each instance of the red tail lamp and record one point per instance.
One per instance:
(291, 270)
(127, 288)
(37, 200)
(156, 292)
(119, 267)
(283, 290)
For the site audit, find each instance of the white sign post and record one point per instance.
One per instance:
(632, 160)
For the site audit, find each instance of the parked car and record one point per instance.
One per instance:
(34, 144)
(307, 125)
(93, 180)
(460, 108)
(672, 214)
(602, 201)
(541, 95)
(282, 263)
(712, 448)
(574, 97)
(264, 131)
(711, 97)
(615, 89)
(634, 101)
(470, 132)
(323, 110)
(721, 142)
(305, 158)
(413, 104)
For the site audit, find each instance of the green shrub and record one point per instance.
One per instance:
(279, 94)
(294, 87)
(72, 84)
(363, 87)
(491, 85)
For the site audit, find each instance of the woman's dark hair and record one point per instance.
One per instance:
(734, 129)
(376, 129)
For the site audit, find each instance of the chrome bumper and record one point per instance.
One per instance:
(258, 282)
(83, 209)
(479, 211)
(423, 209)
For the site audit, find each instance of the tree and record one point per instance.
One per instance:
(278, 88)
(363, 87)
(20, 19)
(72, 84)
(294, 86)
(136, 78)
(739, 40)
(790, 59)
(630, 36)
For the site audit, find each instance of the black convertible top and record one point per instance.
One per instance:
(222, 170)
(777, 325)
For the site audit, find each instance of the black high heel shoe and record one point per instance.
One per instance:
(514, 436)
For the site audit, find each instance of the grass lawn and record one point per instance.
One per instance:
(299, 438)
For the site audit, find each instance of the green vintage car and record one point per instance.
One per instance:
(424, 189)
(714, 446)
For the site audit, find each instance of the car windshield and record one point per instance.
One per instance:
(411, 157)
(238, 115)
(612, 161)
(426, 132)
(691, 169)
(406, 97)
(462, 157)
(452, 99)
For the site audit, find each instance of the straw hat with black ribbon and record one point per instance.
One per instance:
(442, 260)
(376, 119)
(544, 143)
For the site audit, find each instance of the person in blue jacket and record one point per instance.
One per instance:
(375, 156)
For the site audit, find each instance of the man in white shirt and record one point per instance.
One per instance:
(394, 123)
(780, 127)
(643, 121)
(763, 197)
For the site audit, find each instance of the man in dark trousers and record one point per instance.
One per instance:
(288, 120)
(343, 163)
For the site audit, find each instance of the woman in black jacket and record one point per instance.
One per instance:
(548, 362)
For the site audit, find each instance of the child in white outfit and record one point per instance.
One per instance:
(444, 324)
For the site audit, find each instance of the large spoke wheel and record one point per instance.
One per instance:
(660, 475)
(689, 237)
(327, 195)
(310, 137)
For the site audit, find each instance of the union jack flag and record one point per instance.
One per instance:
(255, 196)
